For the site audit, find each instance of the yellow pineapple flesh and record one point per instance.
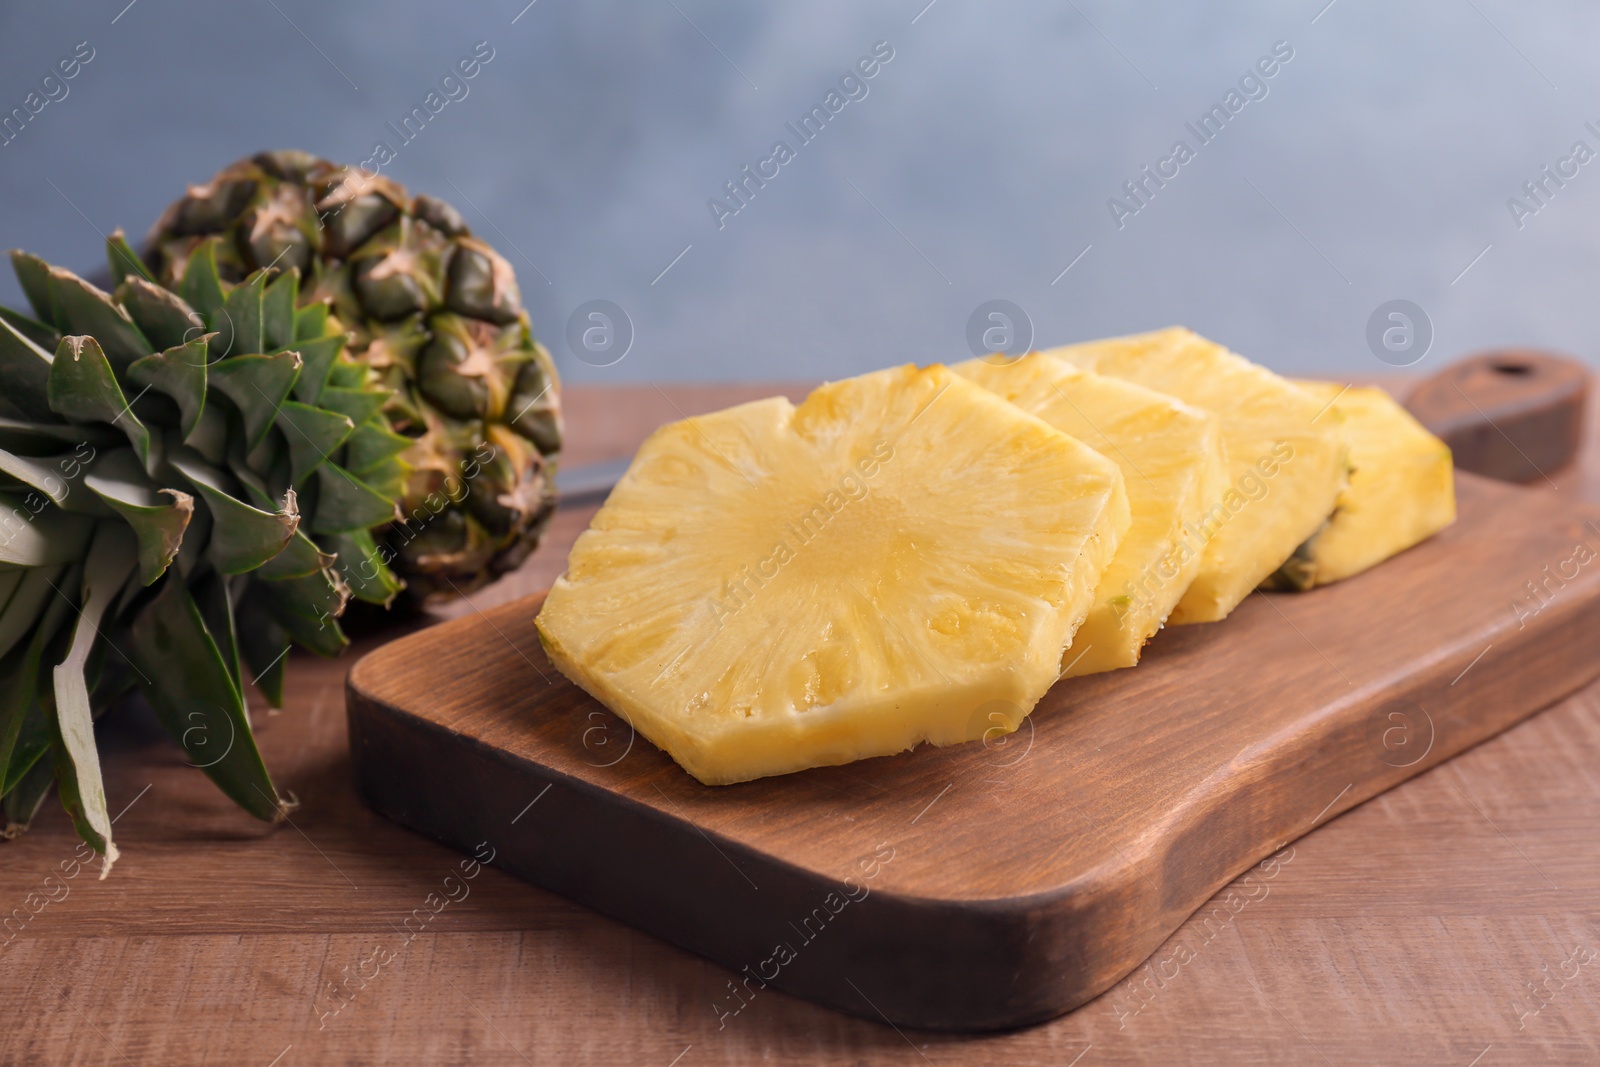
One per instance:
(901, 558)
(1286, 456)
(1401, 492)
(1173, 467)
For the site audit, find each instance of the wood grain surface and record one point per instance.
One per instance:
(1411, 930)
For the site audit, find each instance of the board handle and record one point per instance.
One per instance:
(1515, 414)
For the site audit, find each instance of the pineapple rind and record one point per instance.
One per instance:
(1287, 457)
(1402, 484)
(1173, 466)
(930, 599)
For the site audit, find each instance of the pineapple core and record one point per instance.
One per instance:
(901, 558)
(1174, 468)
(1286, 452)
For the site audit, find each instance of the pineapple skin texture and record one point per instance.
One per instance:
(1173, 466)
(1287, 459)
(1402, 484)
(933, 605)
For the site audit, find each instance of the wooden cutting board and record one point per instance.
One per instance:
(992, 885)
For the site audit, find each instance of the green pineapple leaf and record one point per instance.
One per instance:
(197, 697)
(243, 537)
(33, 274)
(211, 597)
(157, 515)
(107, 566)
(277, 311)
(123, 261)
(346, 503)
(92, 312)
(264, 647)
(241, 317)
(363, 567)
(372, 444)
(318, 355)
(359, 403)
(24, 372)
(306, 608)
(258, 386)
(25, 604)
(311, 323)
(160, 314)
(312, 434)
(44, 475)
(19, 673)
(178, 373)
(83, 388)
(22, 803)
(29, 438)
(50, 536)
(299, 558)
(34, 330)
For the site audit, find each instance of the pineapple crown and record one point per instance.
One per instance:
(189, 481)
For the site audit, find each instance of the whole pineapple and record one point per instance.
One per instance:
(188, 484)
(437, 313)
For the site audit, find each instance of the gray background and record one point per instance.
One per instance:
(981, 161)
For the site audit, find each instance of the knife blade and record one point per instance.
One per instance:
(589, 484)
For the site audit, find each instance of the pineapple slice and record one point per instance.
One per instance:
(1174, 469)
(1286, 456)
(901, 558)
(1402, 490)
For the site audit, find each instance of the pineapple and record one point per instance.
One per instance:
(1174, 468)
(1401, 492)
(901, 558)
(1286, 456)
(185, 486)
(437, 313)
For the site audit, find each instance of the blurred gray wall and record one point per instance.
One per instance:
(978, 165)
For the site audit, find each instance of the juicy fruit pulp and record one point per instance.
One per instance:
(901, 558)
(1401, 492)
(1173, 467)
(1286, 456)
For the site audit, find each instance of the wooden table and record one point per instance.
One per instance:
(1408, 931)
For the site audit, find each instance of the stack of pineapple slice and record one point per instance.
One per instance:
(918, 555)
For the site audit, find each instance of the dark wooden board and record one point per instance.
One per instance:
(1003, 884)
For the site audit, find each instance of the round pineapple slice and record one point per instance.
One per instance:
(901, 558)
(1174, 467)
